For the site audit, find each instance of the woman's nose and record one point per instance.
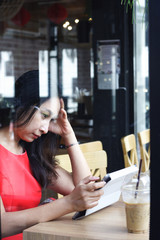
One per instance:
(44, 128)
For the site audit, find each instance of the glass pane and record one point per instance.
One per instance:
(141, 75)
(43, 76)
(53, 77)
(69, 68)
(6, 74)
(69, 76)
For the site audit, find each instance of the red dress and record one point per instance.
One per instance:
(19, 190)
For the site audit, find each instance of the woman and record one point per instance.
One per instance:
(27, 164)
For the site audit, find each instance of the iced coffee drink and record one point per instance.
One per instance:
(137, 217)
(137, 207)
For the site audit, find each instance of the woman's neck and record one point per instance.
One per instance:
(9, 142)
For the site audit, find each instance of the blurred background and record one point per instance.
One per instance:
(94, 52)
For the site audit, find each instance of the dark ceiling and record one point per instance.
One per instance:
(75, 8)
(38, 10)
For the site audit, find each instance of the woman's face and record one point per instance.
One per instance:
(40, 121)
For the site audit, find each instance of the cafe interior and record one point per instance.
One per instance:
(103, 57)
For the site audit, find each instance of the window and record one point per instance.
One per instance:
(43, 73)
(69, 76)
(141, 74)
(69, 66)
(6, 74)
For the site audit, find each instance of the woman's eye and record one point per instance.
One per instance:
(53, 120)
(44, 115)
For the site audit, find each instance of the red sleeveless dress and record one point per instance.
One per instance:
(19, 190)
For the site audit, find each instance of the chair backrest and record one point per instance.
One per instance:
(85, 147)
(91, 146)
(97, 162)
(129, 150)
(144, 144)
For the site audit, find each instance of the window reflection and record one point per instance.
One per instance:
(141, 73)
(69, 66)
(69, 76)
(43, 76)
(6, 74)
(53, 72)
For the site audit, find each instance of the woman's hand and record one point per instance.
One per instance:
(61, 126)
(84, 195)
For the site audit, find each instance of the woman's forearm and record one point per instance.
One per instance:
(15, 222)
(82, 197)
(80, 168)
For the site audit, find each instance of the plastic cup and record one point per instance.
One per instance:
(137, 207)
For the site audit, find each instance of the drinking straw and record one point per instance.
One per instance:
(138, 178)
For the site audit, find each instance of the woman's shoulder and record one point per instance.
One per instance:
(4, 148)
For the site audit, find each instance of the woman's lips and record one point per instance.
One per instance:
(35, 136)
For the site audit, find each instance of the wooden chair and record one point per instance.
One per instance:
(91, 146)
(144, 144)
(86, 147)
(97, 161)
(129, 150)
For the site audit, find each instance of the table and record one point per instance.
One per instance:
(106, 224)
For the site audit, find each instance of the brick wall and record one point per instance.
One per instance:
(25, 55)
(25, 52)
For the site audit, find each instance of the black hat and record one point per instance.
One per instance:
(27, 89)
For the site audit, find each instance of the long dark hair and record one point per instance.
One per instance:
(41, 152)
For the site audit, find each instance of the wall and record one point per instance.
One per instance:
(25, 52)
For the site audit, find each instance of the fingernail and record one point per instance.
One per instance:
(93, 178)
